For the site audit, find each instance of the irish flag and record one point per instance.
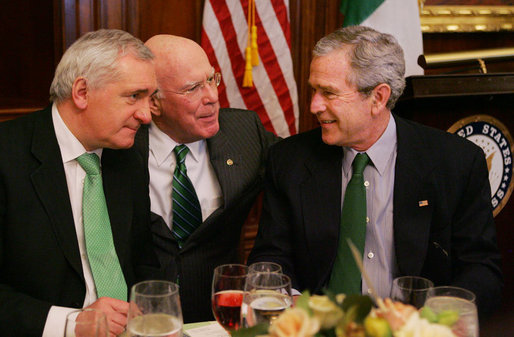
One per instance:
(399, 18)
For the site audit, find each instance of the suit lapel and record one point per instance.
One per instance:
(414, 198)
(117, 188)
(49, 182)
(228, 165)
(320, 194)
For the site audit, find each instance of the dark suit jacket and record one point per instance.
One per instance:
(40, 263)
(243, 139)
(450, 241)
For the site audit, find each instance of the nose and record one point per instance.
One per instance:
(143, 114)
(210, 94)
(317, 103)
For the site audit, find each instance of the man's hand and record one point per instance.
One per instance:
(115, 311)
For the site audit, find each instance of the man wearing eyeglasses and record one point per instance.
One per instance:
(205, 169)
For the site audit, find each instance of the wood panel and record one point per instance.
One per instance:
(177, 17)
(310, 21)
(28, 58)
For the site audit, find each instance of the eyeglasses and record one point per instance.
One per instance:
(196, 89)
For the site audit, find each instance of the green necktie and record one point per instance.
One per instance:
(346, 277)
(103, 260)
(187, 214)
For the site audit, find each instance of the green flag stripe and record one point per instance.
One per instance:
(356, 11)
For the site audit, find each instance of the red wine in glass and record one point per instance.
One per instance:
(227, 294)
(226, 306)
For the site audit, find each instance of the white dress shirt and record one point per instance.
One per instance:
(379, 256)
(71, 148)
(161, 165)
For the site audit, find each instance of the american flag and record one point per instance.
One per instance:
(225, 36)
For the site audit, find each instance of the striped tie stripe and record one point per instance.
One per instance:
(187, 214)
(224, 37)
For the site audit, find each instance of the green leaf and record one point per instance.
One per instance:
(358, 306)
(303, 302)
(259, 329)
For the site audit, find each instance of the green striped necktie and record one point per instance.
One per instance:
(103, 260)
(187, 214)
(346, 277)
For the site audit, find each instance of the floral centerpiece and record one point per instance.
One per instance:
(353, 316)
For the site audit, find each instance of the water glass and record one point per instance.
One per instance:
(457, 304)
(155, 310)
(264, 267)
(86, 323)
(411, 290)
(453, 292)
(266, 296)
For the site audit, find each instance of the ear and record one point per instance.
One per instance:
(380, 96)
(155, 106)
(79, 93)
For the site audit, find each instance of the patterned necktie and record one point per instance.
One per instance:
(346, 277)
(187, 214)
(103, 260)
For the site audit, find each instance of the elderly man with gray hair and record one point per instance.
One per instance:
(74, 207)
(414, 200)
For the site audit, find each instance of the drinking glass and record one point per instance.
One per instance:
(86, 323)
(266, 296)
(457, 305)
(228, 283)
(411, 290)
(264, 267)
(452, 291)
(155, 310)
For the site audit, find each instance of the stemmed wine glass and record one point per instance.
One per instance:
(411, 290)
(457, 305)
(86, 323)
(155, 310)
(228, 283)
(266, 296)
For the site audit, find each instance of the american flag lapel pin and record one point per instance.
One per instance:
(423, 203)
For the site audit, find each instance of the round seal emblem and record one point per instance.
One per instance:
(494, 138)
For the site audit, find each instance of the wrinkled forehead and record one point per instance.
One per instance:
(188, 70)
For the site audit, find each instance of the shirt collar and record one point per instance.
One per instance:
(161, 145)
(70, 146)
(378, 153)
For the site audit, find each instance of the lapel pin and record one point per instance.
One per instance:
(230, 162)
(423, 203)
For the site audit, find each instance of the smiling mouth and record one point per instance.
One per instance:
(327, 121)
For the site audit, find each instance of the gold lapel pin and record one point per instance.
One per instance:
(230, 162)
(423, 203)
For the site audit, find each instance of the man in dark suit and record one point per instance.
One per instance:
(225, 165)
(101, 95)
(427, 208)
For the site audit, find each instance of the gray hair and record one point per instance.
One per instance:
(374, 57)
(95, 57)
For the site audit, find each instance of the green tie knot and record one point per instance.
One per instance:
(359, 163)
(181, 153)
(90, 163)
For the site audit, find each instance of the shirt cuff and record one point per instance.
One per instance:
(55, 321)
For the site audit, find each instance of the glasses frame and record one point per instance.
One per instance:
(212, 81)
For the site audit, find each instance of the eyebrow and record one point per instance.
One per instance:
(139, 91)
(324, 87)
(191, 84)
